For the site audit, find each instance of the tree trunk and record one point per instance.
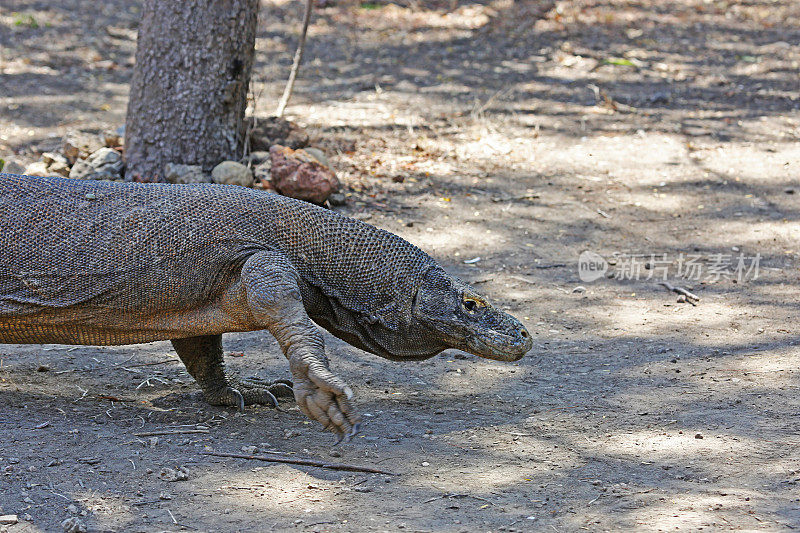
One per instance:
(189, 88)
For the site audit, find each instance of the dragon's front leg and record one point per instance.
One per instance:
(274, 300)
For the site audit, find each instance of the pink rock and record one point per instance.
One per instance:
(300, 175)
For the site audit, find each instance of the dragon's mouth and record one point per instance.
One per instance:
(499, 346)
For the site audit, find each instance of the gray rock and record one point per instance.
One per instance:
(319, 155)
(105, 157)
(12, 167)
(73, 525)
(39, 168)
(174, 474)
(103, 164)
(79, 145)
(80, 170)
(337, 199)
(183, 174)
(232, 173)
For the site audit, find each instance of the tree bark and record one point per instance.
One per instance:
(189, 89)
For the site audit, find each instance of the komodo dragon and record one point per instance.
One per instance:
(97, 263)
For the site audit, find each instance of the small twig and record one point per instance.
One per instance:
(124, 362)
(554, 265)
(691, 298)
(298, 57)
(527, 196)
(112, 399)
(153, 363)
(452, 495)
(147, 382)
(477, 111)
(305, 462)
(320, 523)
(170, 432)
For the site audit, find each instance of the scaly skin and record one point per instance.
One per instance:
(106, 264)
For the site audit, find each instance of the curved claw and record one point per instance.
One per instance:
(272, 398)
(282, 389)
(239, 399)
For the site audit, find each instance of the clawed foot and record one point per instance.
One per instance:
(324, 397)
(250, 391)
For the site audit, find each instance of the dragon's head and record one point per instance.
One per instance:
(466, 321)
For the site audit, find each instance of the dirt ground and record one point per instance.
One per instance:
(519, 133)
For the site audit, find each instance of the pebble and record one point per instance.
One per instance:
(338, 199)
(262, 176)
(113, 139)
(267, 132)
(73, 525)
(39, 168)
(232, 173)
(104, 164)
(56, 163)
(12, 167)
(8, 520)
(319, 155)
(172, 475)
(78, 145)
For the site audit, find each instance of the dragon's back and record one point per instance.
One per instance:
(67, 243)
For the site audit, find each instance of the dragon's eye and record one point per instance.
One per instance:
(471, 304)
